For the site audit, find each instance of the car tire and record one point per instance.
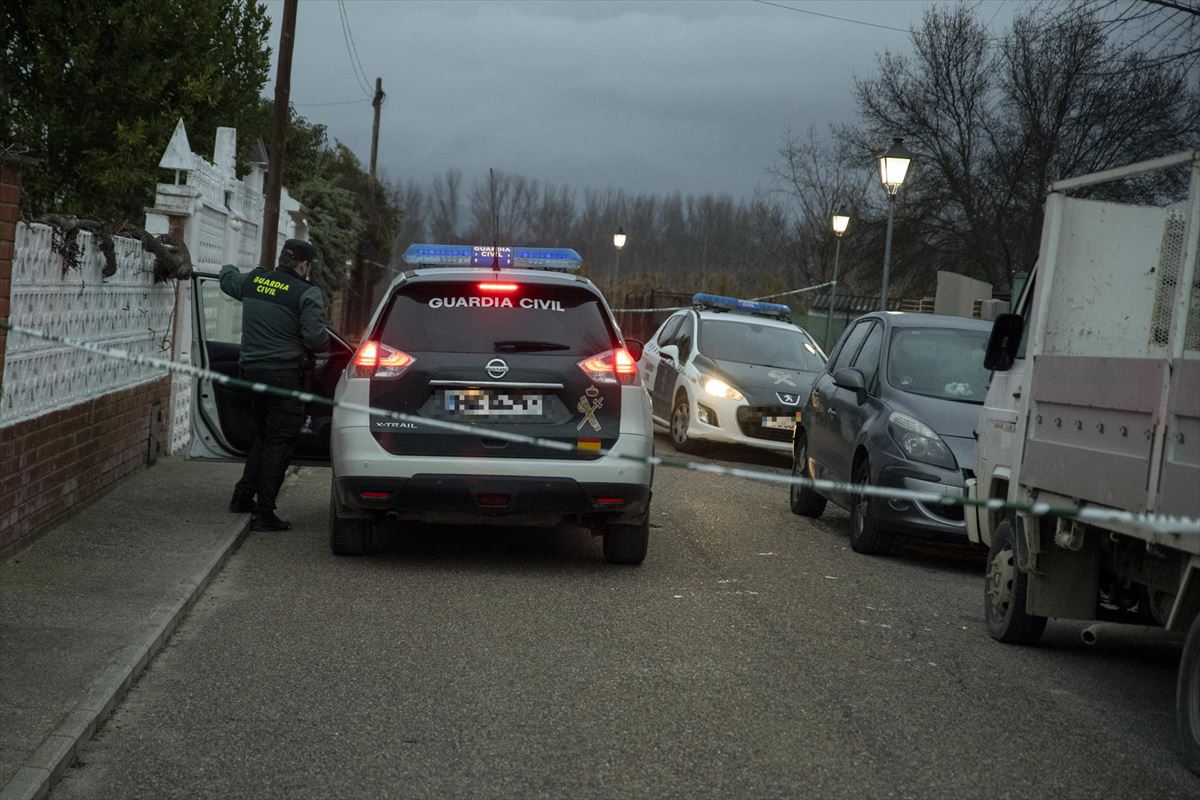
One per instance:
(681, 418)
(1004, 591)
(1187, 699)
(866, 535)
(627, 544)
(803, 500)
(347, 537)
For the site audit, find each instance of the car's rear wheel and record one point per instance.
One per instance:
(1004, 589)
(803, 500)
(681, 418)
(347, 537)
(627, 544)
(866, 534)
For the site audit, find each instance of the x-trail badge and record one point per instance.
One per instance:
(496, 368)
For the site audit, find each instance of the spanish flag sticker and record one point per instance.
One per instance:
(590, 445)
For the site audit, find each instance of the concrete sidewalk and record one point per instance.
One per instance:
(85, 608)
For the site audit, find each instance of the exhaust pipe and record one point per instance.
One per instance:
(1116, 631)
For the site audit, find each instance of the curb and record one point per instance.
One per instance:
(34, 779)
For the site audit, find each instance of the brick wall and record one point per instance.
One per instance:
(56, 463)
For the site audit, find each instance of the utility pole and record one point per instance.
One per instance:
(283, 90)
(378, 103)
(362, 312)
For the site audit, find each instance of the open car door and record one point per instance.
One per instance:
(222, 421)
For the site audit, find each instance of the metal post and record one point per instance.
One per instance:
(887, 253)
(837, 254)
(616, 273)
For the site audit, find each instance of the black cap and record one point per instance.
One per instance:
(300, 250)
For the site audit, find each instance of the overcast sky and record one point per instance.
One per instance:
(651, 97)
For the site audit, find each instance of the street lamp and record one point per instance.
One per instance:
(841, 221)
(618, 242)
(893, 166)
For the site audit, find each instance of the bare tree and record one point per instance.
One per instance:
(445, 207)
(993, 122)
(818, 179)
(410, 198)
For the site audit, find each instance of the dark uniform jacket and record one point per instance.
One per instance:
(283, 316)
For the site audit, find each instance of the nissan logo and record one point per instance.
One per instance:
(496, 368)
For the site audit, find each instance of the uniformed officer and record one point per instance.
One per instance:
(283, 325)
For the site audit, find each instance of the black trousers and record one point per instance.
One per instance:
(277, 424)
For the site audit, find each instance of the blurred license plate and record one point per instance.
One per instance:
(781, 423)
(492, 403)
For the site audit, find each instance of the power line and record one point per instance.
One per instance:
(345, 20)
(337, 102)
(832, 16)
(999, 8)
(354, 47)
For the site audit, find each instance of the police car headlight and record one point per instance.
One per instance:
(719, 388)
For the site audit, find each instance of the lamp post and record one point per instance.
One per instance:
(893, 166)
(618, 242)
(841, 220)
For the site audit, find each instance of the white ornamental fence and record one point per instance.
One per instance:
(218, 216)
(126, 310)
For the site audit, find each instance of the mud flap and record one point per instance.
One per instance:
(1064, 583)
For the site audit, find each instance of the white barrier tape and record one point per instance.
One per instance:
(796, 291)
(1157, 523)
(648, 310)
(764, 297)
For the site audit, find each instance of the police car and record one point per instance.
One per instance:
(729, 370)
(495, 341)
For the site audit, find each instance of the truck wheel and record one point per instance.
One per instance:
(626, 544)
(1004, 587)
(1187, 699)
(803, 500)
(866, 536)
(347, 537)
(681, 417)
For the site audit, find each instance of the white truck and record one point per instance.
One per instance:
(1094, 406)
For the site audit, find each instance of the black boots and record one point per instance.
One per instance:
(267, 521)
(241, 503)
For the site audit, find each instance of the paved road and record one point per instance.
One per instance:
(752, 655)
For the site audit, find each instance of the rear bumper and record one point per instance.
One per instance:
(488, 496)
(425, 486)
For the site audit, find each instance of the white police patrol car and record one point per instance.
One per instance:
(501, 340)
(730, 370)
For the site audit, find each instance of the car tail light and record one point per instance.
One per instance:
(377, 360)
(497, 287)
(615, 366)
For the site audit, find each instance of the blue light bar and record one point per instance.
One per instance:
(461, 255)
(717, 301)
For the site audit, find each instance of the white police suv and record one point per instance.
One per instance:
(730, 370)
(514, 351)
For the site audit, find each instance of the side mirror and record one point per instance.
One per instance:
(852, 379)
(635, 348)
(1004, 342)
(669, 352)
(685, 348)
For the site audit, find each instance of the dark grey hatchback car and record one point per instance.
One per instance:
(897, 405)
